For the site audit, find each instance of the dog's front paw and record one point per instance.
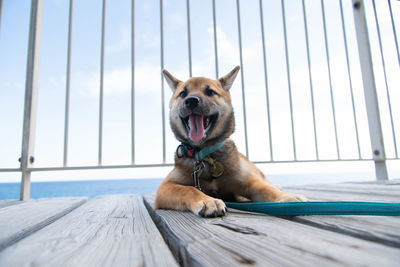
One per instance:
(290, 197)
(210, 208)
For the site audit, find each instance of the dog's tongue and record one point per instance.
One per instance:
(196, 125)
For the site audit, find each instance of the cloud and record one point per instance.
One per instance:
(118, 81)
(148, 81)
(123, 43)
(57, 82)
(13, 85)
(228, 53)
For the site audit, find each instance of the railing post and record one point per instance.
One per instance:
(32, 76)
(371, 98)
(1, 6)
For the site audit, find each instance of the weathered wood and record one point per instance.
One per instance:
(106, 231)
(385, 230)
(360, 189)
(390, 182)
(6, 203)
(254, 239)
(21, 220)
(328, 195)
(384, 182)
(374, 182)
(381, 229)
(365, 191)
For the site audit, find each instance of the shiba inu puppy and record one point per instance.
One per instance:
(208, 167)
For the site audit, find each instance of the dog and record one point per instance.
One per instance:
(208, 167)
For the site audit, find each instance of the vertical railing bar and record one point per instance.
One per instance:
(266, 80)
(394, 32)
(162, 78)
(310, 79)
(288, 78)
(189, 37)
(370, 92)
(30, 102)
(215, 40)
(349, 77)
(101, 83)
(385, 77)
(330, 78)
(395, 36)
(68, 79)
(1, 8)
(133, 82)
(242, 78)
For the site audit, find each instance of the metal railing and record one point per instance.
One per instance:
(365, 60)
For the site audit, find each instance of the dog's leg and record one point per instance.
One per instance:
(181, 197)
(259, 190)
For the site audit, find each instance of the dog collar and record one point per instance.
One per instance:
(191, 152)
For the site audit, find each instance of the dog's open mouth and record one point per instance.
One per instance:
(198, 125)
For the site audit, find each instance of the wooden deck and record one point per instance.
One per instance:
(124, 230)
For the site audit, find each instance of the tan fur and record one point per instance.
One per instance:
(241, 179)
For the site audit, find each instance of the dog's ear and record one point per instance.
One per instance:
(227, 80)
(171, 80)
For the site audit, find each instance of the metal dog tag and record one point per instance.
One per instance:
(216, 168)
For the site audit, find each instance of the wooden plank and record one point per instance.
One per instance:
(384, 230)
(106, 231)
(393, 182)
(19, 221)
(357, 187)
(362, 189)
(261, 240)
(327, 195)
(385, 182)
(370, 186)
(381, 229)
(6, 203)
(388, 182)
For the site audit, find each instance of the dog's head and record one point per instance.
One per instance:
(201, 112)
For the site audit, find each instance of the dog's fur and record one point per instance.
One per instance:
(241, 179)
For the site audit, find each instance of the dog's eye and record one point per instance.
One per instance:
(209, 92)
(183, 94)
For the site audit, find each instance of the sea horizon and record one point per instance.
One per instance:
(141, 186)
(87, 188)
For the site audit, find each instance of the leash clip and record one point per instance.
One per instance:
(197, 171)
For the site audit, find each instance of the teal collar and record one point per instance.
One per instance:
(191, 152)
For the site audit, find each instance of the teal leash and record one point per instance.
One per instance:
(319, 208)
(290, 208)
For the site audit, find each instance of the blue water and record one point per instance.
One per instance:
(81, 188)
(144, 186)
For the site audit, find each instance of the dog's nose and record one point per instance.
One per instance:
(192, 102)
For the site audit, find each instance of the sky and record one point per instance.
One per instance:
(85, 81)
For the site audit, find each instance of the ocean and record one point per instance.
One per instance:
(81, 188)
(92, 188)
